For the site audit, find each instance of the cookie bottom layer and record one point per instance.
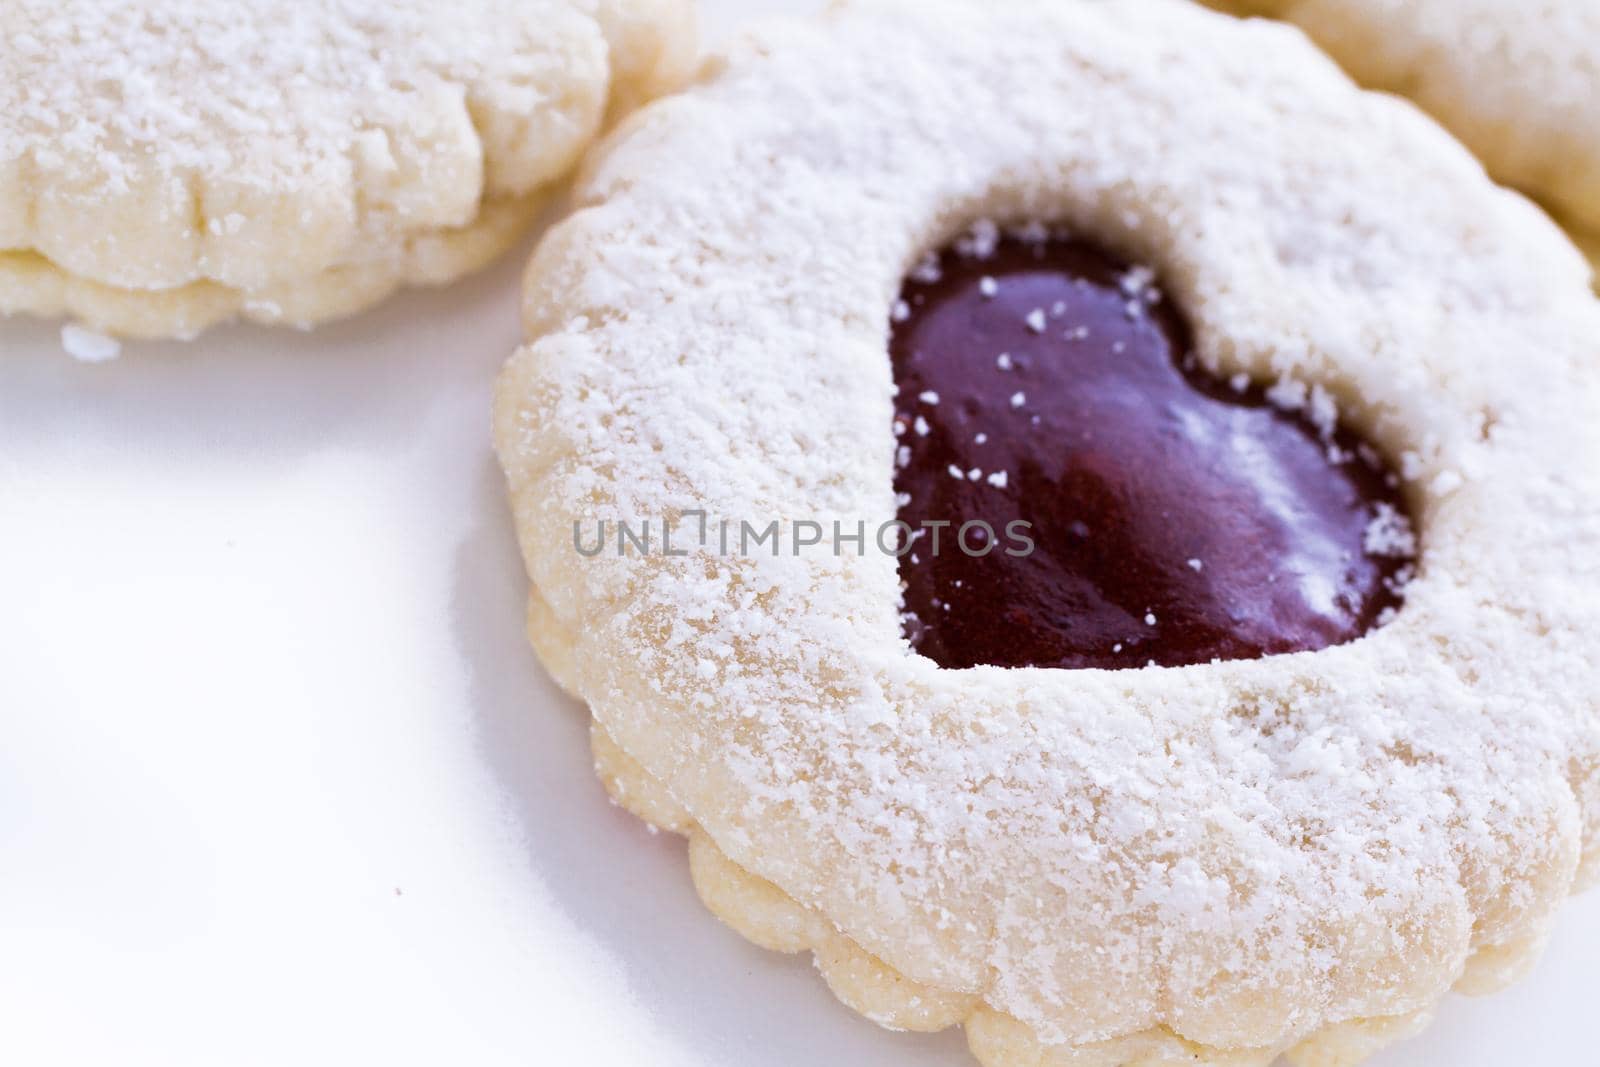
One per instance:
(765, 915)
(31, 284)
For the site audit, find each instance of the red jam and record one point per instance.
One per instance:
(1173, 518)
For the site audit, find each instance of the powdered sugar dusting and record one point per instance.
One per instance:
(1390, 534)
(202, 84)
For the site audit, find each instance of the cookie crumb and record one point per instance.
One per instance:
(89, 346)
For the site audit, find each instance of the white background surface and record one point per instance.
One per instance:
(280, 781)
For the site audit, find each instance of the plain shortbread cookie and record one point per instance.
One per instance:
(1517, 80)
(167, 164)
(1208, 864)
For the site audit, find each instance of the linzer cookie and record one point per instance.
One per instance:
(1087, 520)
(167, 164)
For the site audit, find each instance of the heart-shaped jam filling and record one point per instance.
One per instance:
(1109, 503)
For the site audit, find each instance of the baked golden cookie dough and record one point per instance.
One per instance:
(1214, 863)
(1517, 82)
(168, 164)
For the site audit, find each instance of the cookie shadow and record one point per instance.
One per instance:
(626, 887)
(254, 394)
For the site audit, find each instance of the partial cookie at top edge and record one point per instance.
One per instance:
(302, 173)
(1516, 82)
